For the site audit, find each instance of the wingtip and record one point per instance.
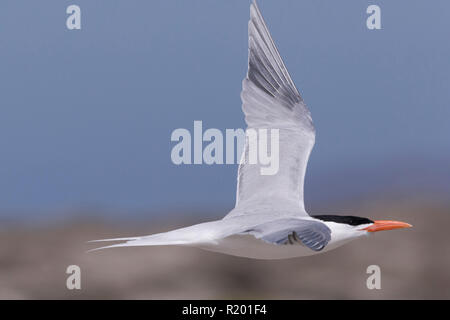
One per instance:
(254, 8)
(256, 16)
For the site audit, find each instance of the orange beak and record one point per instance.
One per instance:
(381, 225)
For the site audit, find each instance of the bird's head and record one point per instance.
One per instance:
(363, 224)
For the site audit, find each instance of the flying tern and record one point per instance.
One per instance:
(269, 220)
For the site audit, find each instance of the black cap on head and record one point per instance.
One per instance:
(350, 220)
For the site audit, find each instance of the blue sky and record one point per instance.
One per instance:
(86, 115)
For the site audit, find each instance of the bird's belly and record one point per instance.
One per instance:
(249, 247)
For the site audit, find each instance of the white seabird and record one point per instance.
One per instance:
(269, 220)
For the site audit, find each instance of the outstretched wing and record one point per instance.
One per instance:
(271, 101)
(312, 234)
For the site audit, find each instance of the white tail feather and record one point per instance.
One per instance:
(153, 240)
(196, 234)
(115, 239)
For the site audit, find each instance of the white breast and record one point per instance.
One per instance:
(250, 247)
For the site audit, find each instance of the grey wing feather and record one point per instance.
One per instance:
(266, 68)
(312, 234)
(270, 100)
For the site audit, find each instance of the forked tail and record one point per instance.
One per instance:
(184, 236)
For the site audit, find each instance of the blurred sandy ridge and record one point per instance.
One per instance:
(415, 263)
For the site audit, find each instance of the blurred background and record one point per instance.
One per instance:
(86, 118)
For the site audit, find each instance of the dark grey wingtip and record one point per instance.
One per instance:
(312, 234)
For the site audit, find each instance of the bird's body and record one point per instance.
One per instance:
(243, 236)
(247, 245)
(269, 220)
